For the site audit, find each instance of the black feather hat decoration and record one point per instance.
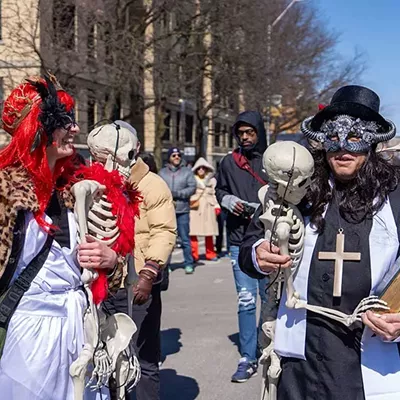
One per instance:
(53, 113)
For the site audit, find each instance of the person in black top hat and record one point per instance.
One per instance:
(354, 192)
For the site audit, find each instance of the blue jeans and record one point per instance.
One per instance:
(182, 221)
(247, 289)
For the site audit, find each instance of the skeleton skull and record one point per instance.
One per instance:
(110, 145)
(279, 160)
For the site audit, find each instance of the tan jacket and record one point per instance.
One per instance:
(203, 220)
(155, 229)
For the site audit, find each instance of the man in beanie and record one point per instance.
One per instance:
(182, 184)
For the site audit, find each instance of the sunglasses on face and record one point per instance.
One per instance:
(249, 131)
(176, 155)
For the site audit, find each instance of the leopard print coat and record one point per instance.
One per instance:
(16, 194)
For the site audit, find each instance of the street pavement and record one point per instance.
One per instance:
(199, 335)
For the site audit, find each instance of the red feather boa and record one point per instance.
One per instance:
(125, 206)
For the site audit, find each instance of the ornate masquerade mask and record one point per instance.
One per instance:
(344, 132)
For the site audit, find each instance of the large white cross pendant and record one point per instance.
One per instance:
(339, 256)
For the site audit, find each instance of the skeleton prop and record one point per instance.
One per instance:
(289, 167)
(105, 209)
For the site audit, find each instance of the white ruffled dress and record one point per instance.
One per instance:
(46, 331)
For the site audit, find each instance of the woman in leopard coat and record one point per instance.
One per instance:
(45, 333)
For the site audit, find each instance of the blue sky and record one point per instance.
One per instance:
(373, 27)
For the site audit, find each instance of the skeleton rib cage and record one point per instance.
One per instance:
(101, 223)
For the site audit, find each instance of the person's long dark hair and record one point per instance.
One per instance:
(359, 198)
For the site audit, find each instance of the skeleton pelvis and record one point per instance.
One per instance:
(117, 331)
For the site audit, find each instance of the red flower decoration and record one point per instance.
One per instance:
(321, 106)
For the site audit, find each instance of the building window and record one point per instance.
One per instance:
(177, 126)
(224, 136)
(167, 124)
(217, 134)
(91, 111)
(92, 39)
(110, 107)
(230, 136)
(189, 128)
(64, 24)
(106, 40)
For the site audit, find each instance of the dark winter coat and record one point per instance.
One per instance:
(181, 183)
(232, 180)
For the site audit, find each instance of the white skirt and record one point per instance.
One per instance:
(41, 344)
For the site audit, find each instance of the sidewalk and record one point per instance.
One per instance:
(199, 335)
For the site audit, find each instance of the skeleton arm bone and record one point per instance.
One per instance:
(285, 224)
(369, 303)
(85, 192)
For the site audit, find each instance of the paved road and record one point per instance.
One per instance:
(199, 335)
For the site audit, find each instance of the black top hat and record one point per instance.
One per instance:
(356, 101)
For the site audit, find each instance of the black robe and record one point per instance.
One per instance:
(332, 369)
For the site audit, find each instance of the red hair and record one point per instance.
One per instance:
(20, 118)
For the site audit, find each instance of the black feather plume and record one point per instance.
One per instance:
(53, 113)
(40, 88)
(51, 88)
(36, 141)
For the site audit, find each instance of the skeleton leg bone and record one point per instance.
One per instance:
(78, 368)
(272, 364)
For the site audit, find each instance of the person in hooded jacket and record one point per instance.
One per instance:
(239, 178)
(204, 210)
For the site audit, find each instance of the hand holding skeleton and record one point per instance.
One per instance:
(94, 254)
(269, 258)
